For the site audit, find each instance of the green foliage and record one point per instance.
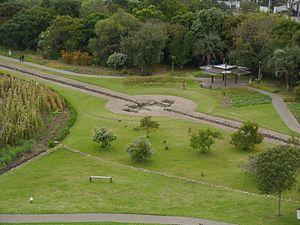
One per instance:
(286, 64)
(116, 60)
(148, 125)
(265, 88)
(9, 9)
(8, 154)
(93, 6)
(104, 136)
(186, 20)
(209, 21)
(241, 97)
(204, 139)
(64, 8)
(66, 130)
(140, 149)
(180, 44)
(145, 46)
(247, 136)
(149, 12)
(208, 47)
(23, 29)
(249, 7)
(65, 33)
(108, 34)
(24, 104)
(276, 169)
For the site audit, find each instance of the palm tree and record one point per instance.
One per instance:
(208, 47)
(286, 63)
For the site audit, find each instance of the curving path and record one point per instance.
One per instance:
(105, 217)
(277, 101)
(115, 97)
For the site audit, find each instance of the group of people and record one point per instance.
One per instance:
(21, 58)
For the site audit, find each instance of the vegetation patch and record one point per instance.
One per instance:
(159, 81)
(295, 109)
(265, 88)
(243, 97)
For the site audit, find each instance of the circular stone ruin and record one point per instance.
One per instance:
(154, 105)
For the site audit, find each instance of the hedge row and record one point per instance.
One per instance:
(66, 130)
(158, 81)
(265, 88)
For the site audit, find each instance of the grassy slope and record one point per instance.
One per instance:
(59, 183)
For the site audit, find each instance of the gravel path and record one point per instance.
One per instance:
(116, 100)
(59, 70)
(104, 217)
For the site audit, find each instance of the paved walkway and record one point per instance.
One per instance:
(59, 70)
(103, 217)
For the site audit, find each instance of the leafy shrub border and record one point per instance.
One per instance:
(66, 130)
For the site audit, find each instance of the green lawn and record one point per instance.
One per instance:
(208, 101)
(59, 184)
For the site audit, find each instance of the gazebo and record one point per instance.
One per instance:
(225, 70)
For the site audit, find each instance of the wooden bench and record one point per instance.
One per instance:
(100, 177)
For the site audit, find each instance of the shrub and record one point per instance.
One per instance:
(77, 57)
(140, 149)
(148, 125)
(117, 60)
(265, 88)
(104, 136)
(297, 92)
(247, 136)
(8, 154)
(203, 139)
(66, 130)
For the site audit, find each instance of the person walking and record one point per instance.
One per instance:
(22, 58)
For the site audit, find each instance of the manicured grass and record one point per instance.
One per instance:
(208, 101)
(59, 184)
(180, 159)
(59, 181)
(295, 109)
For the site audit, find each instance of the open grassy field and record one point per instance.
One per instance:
(59, 181)
(59, 184)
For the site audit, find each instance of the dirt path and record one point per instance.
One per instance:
(181, 108)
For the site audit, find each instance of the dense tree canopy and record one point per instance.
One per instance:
(23, 29)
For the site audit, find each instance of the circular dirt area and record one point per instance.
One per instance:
(151, 105)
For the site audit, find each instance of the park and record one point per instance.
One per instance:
(130, 113)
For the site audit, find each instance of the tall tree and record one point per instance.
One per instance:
(22, 31)
(109, 32)
(276, 170)
(144, 47)
(286, 63)
(208, 47)
(65, 33)
(93, 6)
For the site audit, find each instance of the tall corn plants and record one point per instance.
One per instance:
(23, 105)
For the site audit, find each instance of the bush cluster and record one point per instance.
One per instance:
(77, 57)
(8, 154)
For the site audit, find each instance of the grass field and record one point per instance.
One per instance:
(59, 183)
(208, 101)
